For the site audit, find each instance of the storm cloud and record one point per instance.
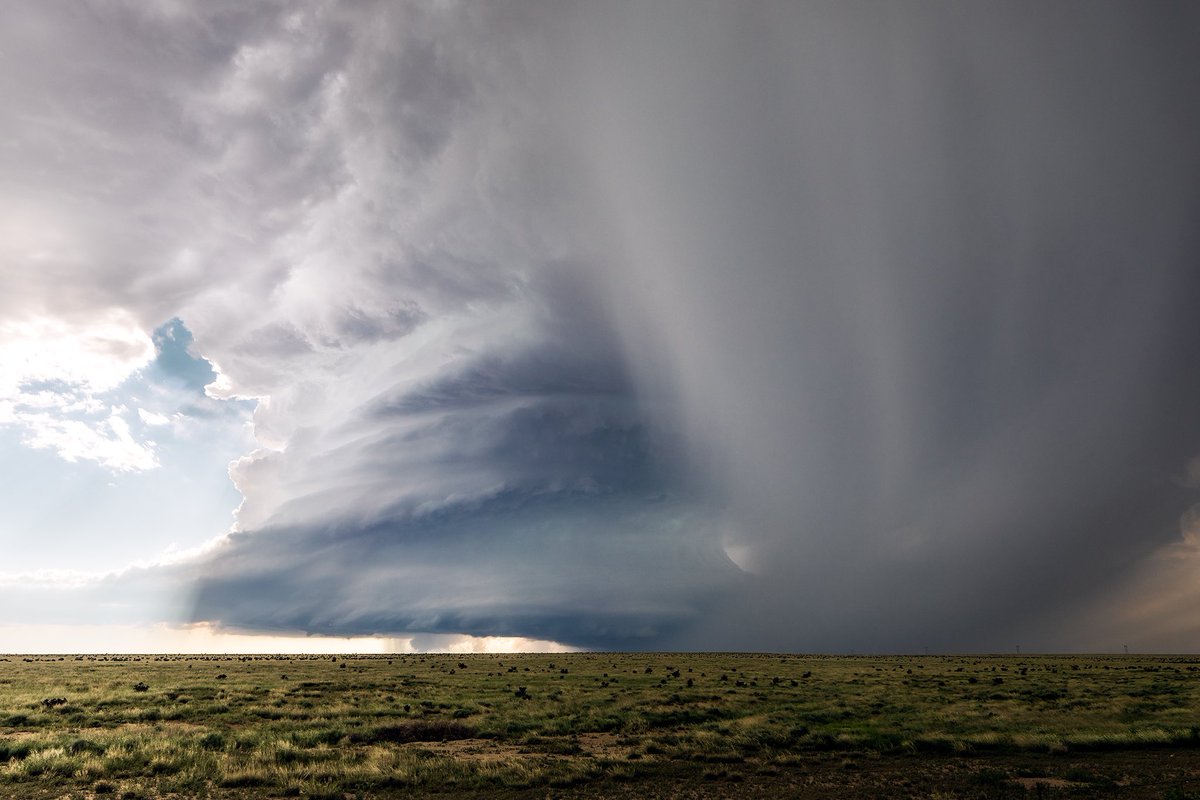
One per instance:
(676, 325)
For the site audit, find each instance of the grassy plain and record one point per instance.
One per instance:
(603, 724)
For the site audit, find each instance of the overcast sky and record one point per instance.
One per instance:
(716, 325)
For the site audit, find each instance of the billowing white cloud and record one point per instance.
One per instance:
(50, 378)
(90, 355)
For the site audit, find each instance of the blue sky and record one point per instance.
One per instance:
(698, 325)
(99, 510)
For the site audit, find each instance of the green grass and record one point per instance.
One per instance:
(372, 725)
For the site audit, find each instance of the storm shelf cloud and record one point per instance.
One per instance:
(672, 325)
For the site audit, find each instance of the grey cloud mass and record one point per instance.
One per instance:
(795, 326)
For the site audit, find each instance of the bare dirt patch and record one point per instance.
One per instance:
(1047, 783)
(603, 745)
(477, 750)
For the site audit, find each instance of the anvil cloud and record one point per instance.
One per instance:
(681, 325)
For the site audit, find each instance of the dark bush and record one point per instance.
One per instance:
(328, 736)
(81, 746)
(431, 730)
(10, 750)
(212, 741)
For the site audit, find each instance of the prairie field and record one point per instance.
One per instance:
(599, 725)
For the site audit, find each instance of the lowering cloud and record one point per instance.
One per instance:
(752, 325)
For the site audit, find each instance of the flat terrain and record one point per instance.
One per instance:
(599, 725)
